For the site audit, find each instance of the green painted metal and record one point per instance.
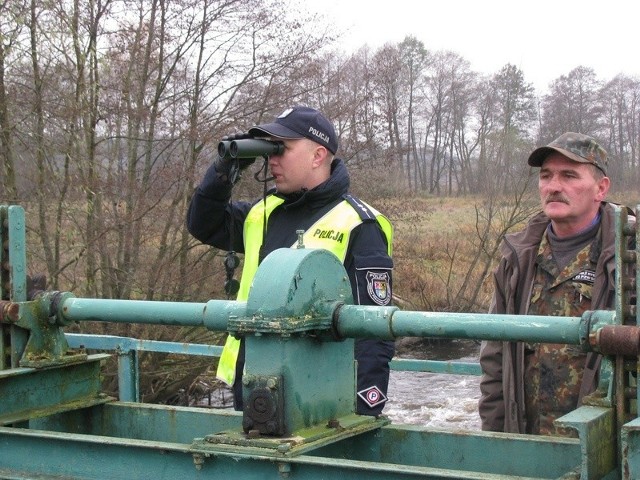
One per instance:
(125, 344)
(330, 315)
(141, 421)
(12, 221)
(128, 369)
(281, 314)
(13, 280)
(391, 452)
(359, 320)
(436, 366)
(310, 399)
(280, 447)
(31, 393)
(624, 262)
(597, 427)
(127, 350)
(299, 387)
(46, 344)
(214, 314)
(302, 298)
(630, 441)
(483, 453)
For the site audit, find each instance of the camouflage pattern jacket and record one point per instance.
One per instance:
(502, 401)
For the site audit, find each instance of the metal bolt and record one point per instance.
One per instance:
(247, 423)
(333, 423)
(284, 447)
(198, 460)
(9, 311)
(271, 426)
(284, 469)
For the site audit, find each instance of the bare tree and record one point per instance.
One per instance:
(515, 110)
(572, 105)
(620, 100)
(354, 110)
(11, 14)
(389, 93)
(415, 58)
(463, 145)
(447, 109)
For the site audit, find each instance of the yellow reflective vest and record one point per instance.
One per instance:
(331, 232)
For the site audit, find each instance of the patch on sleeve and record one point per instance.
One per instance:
(378, 287)
(372, 396)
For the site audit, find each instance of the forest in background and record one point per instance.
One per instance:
(111, 111)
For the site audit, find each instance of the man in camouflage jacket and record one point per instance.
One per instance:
(562, 263)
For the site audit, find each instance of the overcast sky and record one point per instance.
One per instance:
(544, 38)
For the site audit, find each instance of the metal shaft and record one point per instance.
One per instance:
(362, 321)
(213, 315)
(357, 321)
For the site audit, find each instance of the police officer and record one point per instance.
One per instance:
(310, 194)
(562, 263)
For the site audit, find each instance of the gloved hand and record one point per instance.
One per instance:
(231, 167)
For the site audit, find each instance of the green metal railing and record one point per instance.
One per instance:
(127, 349)
(301, 421)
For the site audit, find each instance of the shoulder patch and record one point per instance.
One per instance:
(378, 287)
(360, 207)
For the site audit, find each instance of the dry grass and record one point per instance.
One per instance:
(437, 240)
(433, 244)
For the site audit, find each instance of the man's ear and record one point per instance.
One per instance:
(320, 154)
(603, 188)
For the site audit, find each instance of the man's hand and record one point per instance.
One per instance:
(230, 168)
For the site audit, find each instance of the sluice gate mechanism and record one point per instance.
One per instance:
(299, 420)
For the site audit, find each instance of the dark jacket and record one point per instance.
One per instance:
(216, 221)
(502, 401)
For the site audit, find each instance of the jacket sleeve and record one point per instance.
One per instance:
(369, 266)
(492, 403)
(370, 271)
(212, 218)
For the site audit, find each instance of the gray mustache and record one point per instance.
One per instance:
(556, 198)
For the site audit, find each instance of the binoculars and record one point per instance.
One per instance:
(249, 148)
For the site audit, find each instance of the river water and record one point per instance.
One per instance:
(435, 399)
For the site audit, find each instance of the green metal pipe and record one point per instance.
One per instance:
(363, 321)
(435, 366)
(213, 315)
(351, 321)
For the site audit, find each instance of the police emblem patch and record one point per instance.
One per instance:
(372, 396)
(378, 287)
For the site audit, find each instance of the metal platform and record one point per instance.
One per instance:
(299, 326)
